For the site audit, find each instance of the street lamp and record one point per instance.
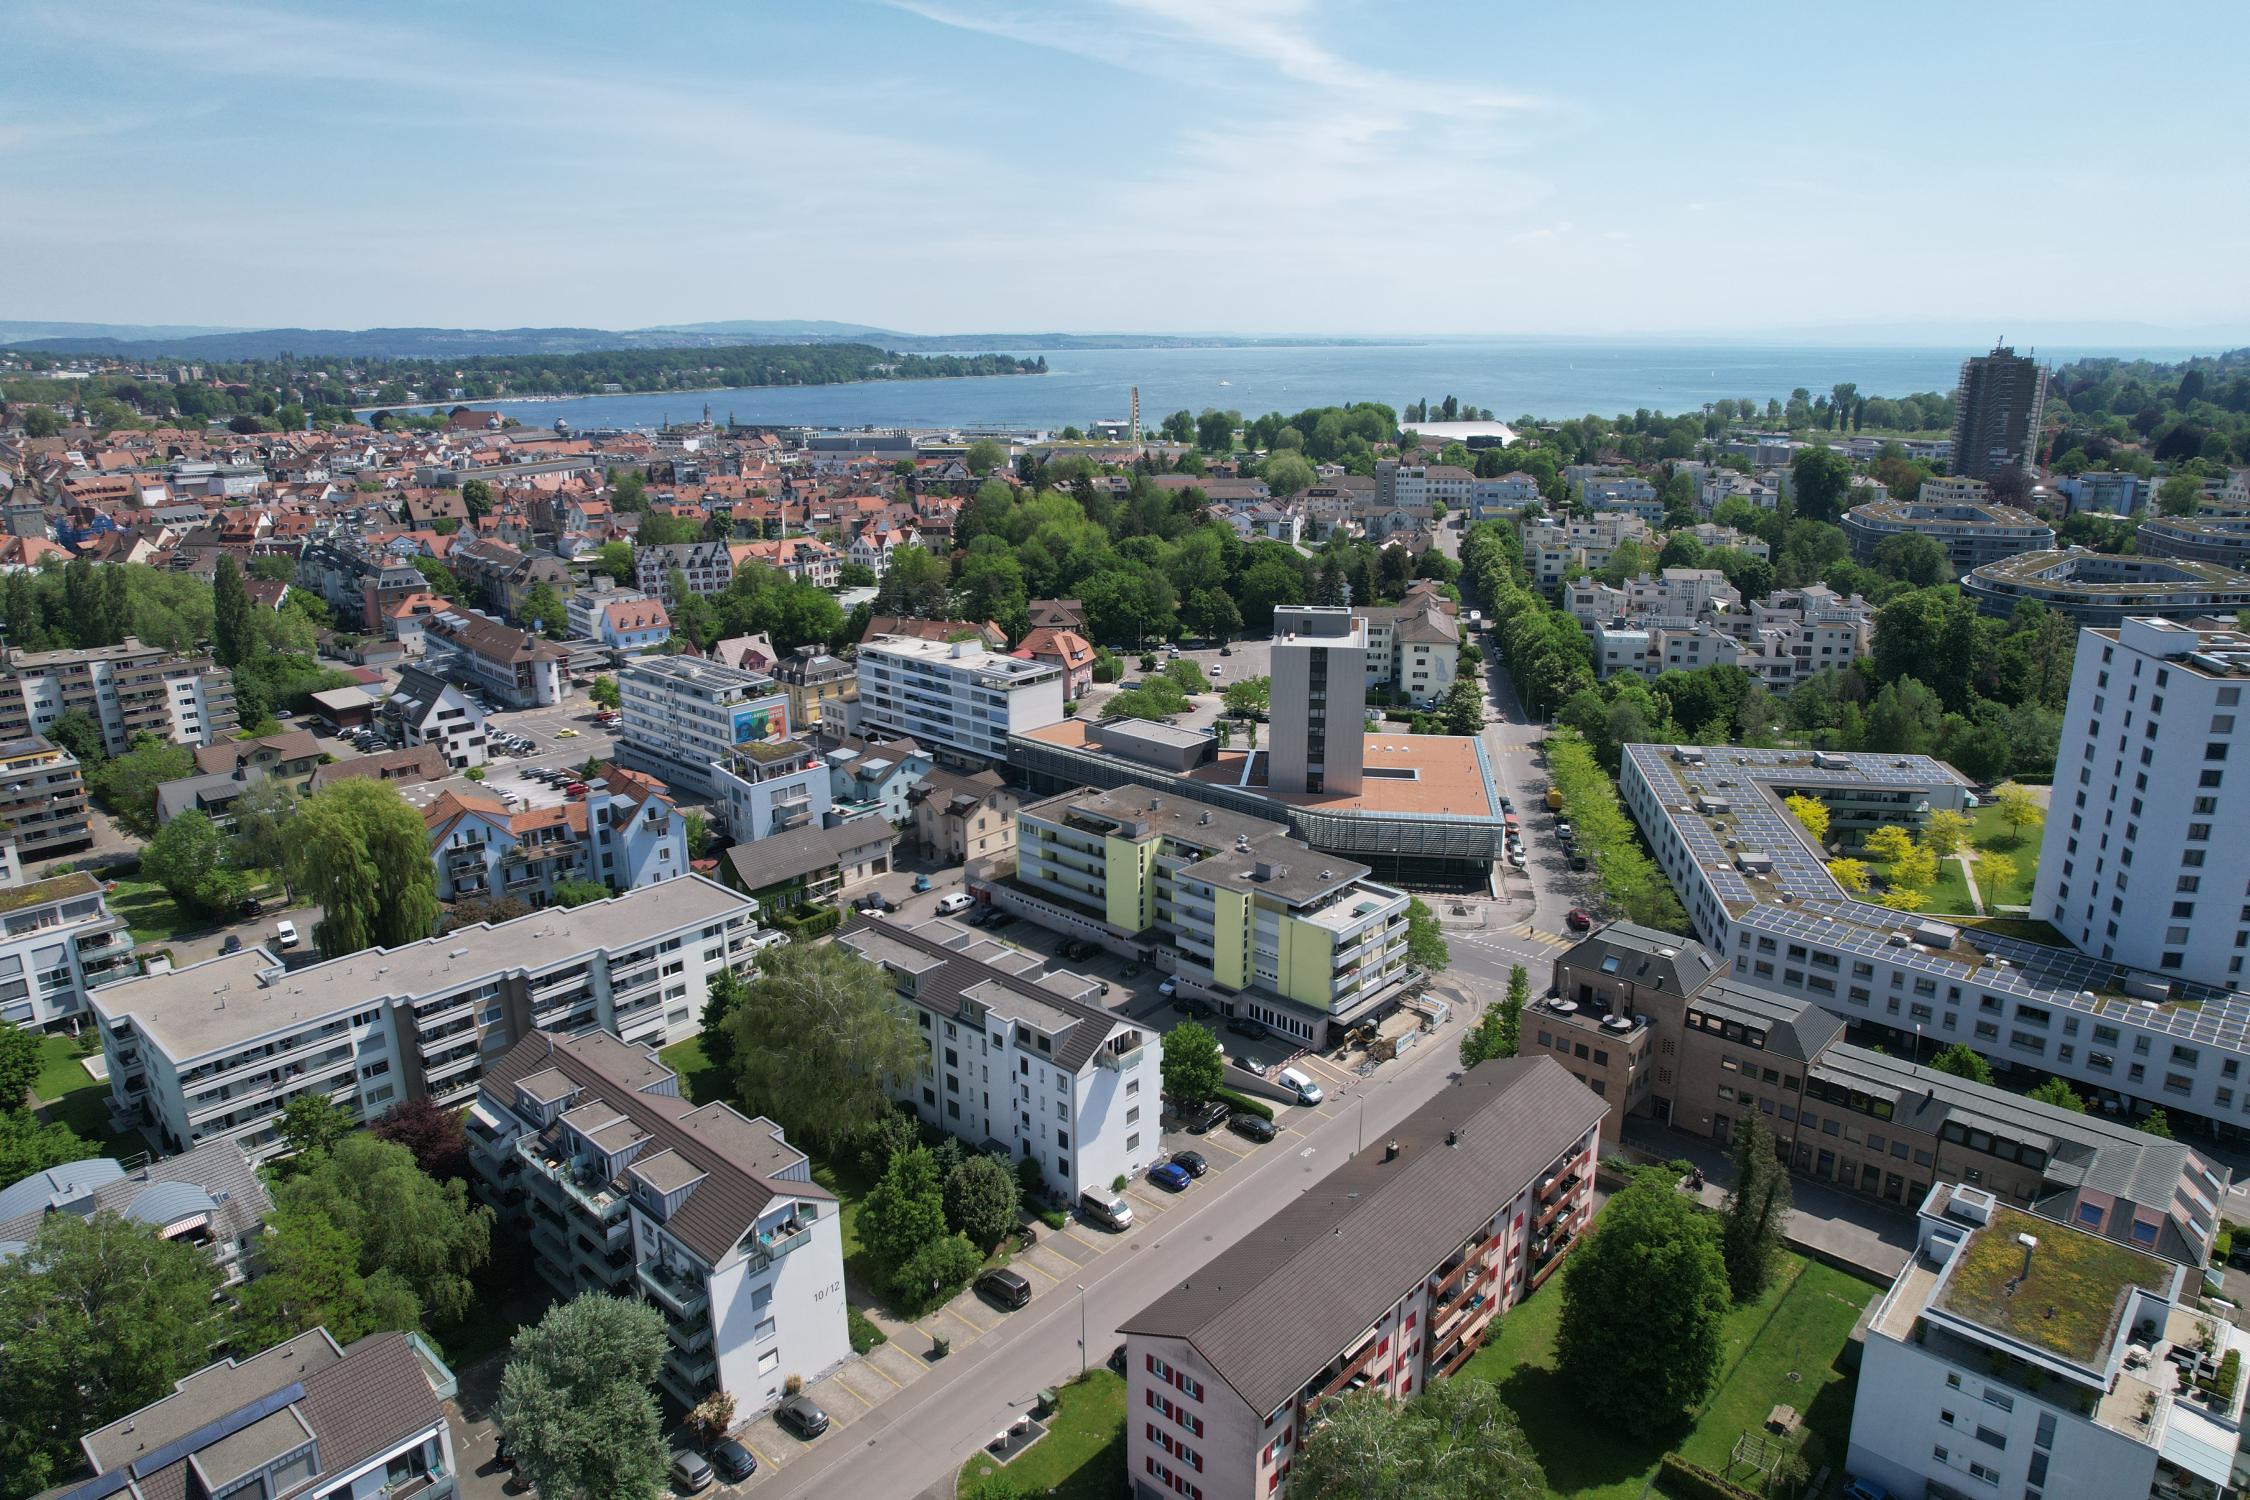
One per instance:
(1081, 1328)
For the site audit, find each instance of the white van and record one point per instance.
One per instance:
(954, 901)
(1308, 1092)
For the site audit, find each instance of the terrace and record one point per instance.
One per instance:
(2066, 1295)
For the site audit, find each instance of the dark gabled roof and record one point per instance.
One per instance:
(1293, 1293)
(739, 1157)
(1644, 956)
(1795, 1029)
(944, 986)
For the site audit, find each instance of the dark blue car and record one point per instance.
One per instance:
(1169, 1176)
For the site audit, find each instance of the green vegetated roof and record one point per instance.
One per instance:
(2072, 1299)
(59, 888)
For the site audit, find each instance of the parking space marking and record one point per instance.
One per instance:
(1070, 1232)
(766, 1461)
(847, 1390)
(896, 1383)
(959, 1309)
(947, 1312)
(1025, 1262)
(1148, 1200)
(1207, 1144)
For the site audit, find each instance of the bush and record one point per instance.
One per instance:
(2229, 1376)
(934, 1273)
(1676, 1477)
(864, 1335)
(802, 926)
(1244, 1104)
(1117, 1184)
(1053, 1218)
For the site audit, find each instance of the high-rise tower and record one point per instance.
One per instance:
(1996, 413)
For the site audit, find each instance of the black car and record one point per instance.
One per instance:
(233, 944)
(1252, 1127)
(1001, 917)
(1005, 1288)
(1204, 1117)
(1117, 1359)
(1191, 1162)
(1243, 1026)
(732, 1460)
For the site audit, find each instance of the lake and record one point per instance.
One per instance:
(1546, 377)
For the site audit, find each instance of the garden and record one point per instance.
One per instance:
(1082, 1457)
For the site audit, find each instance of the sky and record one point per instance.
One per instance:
(1346, 167)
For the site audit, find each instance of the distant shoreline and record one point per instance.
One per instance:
(545, 398)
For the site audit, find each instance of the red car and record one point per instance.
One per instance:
(575, 790)
(1578, 920)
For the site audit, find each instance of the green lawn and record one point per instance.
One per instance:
(1082, 1457)
(1800, 1324)
(77, 1100)
(699, 1078)
(1990, 833)
(1949, 893)
(152, 914)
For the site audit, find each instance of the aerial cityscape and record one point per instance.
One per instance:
(1436, 771)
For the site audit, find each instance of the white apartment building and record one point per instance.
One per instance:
(682, 718)
(2129, 1040)
(1711, 536)
(1675, 593)
(623, 834)
(1556, 549)
(1717, 489)
(1793, 634)
(58, 944)
(708, 568)
(1651, 647)
(1022, 1054)
(508, 666)
(2144, 861)
(425, 709)
(2015, 1356)
(772, 786)
(711, 1217)
(622, 619)
(1627, 495)
(1503, 498)
(128, 689)
(1318, 705)
(1414, 645)
(220, 1047)
(957, 698)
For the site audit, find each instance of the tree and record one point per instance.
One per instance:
(128, 784)
(75, 731)
(1193, 1068)
(575, 1404)
(312, 1279)
(981, 1200)
(722, 997)
(1464, 707)
(1851, 874)
(19, 1068)
(476, 497)
(695, 832)
(1645, 1300)
(1287, 475)
(540, 608)
(2060, 1094)
(2158, 1123)
(313, 1122)
(1455, 1440)
(984, 456)
(404, 1221)
(1212, 615)
(1425, 941)
(28, 1144)
(262, 817)
(190, 858)
(905, 1210)
(604, 692)
(362, 855)
(1812, 812)
(934, 1272)
(1963, 1062)
(232, 639)
(1820, 480)
(103, 1316)
(431, 1132)
(915, 585)
(1944, 832)
(2180, 495)
(1756, 1214)
(2019, 808)
(1499, 1031)
(574, 892)
(820, 1042)
(1994, 873)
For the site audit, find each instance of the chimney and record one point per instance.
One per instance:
(1453, 1137)
(2030, 1242)
(1390, 1150)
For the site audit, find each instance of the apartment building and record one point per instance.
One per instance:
(211, 1198)
(621, 619)
(1555, 549)
(425, 709)
(1628, 495)
(683, 717)
(2143, 861)
(707, 567)
(1386, 1274)
(2109, 492)
(1712, 537)
(508, 666)
(1262, 924)
(128, 689)
(228, 768)
(1317, 705)
(59, 943)
(710, 1217)
(305, 1418)
(1079, 1088)
(42, 797)
(959, 817)
(1414, 646)
(1674, 593)
(2129, 1039)
(2104, 589)
(1717, 489)
(873, 777)
(2020, 1357)
(1660, 1025)
(1996, 413)
(773, 786)
(958, 699)
(1793, 634)
(623, 834)
(1503, 498)
(218, 1048)
(1972, 533)
(821, 687)
(2223, 540)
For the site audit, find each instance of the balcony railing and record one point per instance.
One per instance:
(686, 1297)
(594, 1195)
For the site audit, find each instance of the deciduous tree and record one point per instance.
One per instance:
(2060, 1094)
(2019, 808)
(1962, 1061)
(404, 1221)
(431, 1132)
(1455, 1440)
(1812, 812)
(1756, 1215)
(1425, 940)
(1193, 1068)
(820, 1042)
(1645, 1300)
(576, 1405)
(981, 1199)
(19, 1068)
(361, 854)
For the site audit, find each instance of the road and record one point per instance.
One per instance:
(925, 1433)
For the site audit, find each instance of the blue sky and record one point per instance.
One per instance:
(1334, 166)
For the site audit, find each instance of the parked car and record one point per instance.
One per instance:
(954, 901)
(1191, 1162)
(802, 1415)
(732, 1460)
(566, 733)
(1243, 1026)
(1117, 1359)
(691, 1473)
(1579, 920)
(1204, 1116)
(1170, 1176)
(1078, 948)
(1106, 1209)
(921, 884)
(1001, 917)
(1201, 1010)
(1252, 1127)
(575, 791)
(1006, 1288)
(233, 944)
(874, 901)
(1515, 856)
(285, 933)
(1168, 988)
(1308, 1092)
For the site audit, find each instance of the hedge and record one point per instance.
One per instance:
(1243, 1103)
(1685, 1481)
(864, 1334)
(812, 923)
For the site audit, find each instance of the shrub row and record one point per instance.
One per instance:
(1685, 1481)
(1243, 1103)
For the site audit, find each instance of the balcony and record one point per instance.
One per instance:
(785, 1238)
(591, 1193)
(1345, 1374)
(686, 1296)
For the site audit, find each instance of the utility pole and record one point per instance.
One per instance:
(1081, 1328)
